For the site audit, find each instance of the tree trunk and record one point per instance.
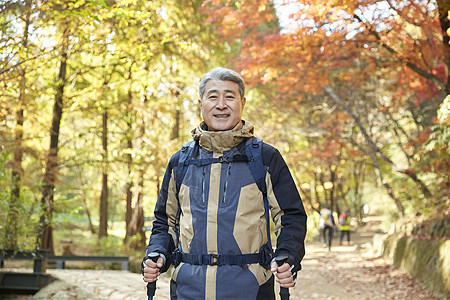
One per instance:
(386, 185)
(176, 126)
(129, 195)
(359, 177)
(129, 159)
(45, 234)
(83, 197)
(332, 191)
(88, 213)
(103, 226)
(11, 226)
(175, 91)
(137, 220)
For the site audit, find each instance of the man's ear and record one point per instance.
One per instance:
(200, 102)
(243, 102)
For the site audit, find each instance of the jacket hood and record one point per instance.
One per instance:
(220, 141)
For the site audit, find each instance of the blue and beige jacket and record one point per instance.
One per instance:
(221, 212)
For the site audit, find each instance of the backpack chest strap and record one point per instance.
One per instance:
(221, 159)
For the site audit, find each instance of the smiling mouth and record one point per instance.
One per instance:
(221, 116)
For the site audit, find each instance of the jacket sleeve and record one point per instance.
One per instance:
(286, 207)
(163, 238)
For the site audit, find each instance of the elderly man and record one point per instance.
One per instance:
(212, 214)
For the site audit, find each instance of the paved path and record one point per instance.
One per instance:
(101, 284)
(345, 272)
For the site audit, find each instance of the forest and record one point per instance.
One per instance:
(96, 95)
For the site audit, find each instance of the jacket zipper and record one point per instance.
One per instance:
(203, 185)
(226, 183)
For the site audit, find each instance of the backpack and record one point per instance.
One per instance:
(326, 217)
(253, 156)
(343, 219)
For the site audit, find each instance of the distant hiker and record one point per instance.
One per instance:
(344, 222)
(327, 225)
(212, 214)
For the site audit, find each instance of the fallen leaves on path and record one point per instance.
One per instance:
(353, 272)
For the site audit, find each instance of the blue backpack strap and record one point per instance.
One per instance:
(183, 164)
(253, 149)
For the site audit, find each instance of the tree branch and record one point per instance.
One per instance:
(410, 173)
(409, 64)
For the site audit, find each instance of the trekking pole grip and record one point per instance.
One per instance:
(284, 292)
(151, 286)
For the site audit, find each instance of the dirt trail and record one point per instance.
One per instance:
(353, 272)
(345, 272)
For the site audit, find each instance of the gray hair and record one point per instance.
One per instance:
(222, 74)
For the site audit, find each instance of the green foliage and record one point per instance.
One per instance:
(138, 60)
(141, 61)
(24, 211)
(5, 177)
(110, 245)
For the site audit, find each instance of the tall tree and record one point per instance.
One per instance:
(11, 228)
(45, 234)
(65, 18)
(103, 211)
(129, 161)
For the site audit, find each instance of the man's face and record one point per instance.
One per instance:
(221, 105)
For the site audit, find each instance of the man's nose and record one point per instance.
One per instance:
(221, 103)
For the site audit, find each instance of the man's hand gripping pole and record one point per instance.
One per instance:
(151, 286)
(284, 292)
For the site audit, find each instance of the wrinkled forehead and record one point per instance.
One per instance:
(221, 86)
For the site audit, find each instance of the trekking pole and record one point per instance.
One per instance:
(151, 286)
(284, 292)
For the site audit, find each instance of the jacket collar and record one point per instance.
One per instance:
(220, 141)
